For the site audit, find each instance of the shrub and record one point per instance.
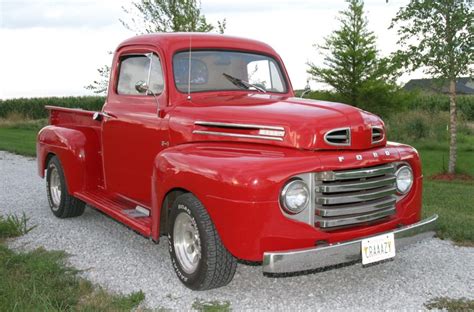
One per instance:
(440, 103)
(33, 108)
(420, 125)
(386, 101)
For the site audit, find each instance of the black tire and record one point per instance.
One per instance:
(216, 266)
(62, 204)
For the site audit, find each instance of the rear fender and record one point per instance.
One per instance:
(77, 150)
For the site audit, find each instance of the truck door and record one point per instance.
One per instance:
(132, 132)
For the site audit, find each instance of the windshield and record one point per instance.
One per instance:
(225, 70)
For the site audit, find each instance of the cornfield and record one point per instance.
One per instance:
(33, 108)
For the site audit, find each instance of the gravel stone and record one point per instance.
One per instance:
(122, 261)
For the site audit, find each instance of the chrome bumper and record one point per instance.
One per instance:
(348, 251)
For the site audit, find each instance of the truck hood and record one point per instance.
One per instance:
(268, 119)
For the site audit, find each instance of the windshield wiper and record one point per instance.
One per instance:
(242, 83)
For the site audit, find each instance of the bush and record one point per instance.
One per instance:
(418, 125)
(440, 103)
(33, 108)
(386, 101)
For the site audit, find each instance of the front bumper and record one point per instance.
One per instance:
(348, 251)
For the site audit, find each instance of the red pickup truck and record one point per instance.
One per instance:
(202, 140)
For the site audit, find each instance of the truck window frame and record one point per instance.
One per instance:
(277, 62)
(121, 57)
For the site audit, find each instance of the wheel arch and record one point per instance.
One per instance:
(166, 205)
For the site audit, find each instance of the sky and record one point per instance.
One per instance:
(54, 47)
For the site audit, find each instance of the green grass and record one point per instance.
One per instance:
(13, 226)
(19, 136)
(454, 203)
(436, 161)
(449, 304)
(211, 306)
(41, 280)
(18, 141)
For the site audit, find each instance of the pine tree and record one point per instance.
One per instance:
(351, 63)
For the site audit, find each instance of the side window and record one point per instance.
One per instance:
(135, 68)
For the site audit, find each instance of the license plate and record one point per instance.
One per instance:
(378, 248)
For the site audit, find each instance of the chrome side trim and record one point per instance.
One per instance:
(354, 198)
(356, 186)
(338, 137)
(355, 209)
(237, 135)
(319, 257)
(235, 125)
(348, 220)
(382, 134)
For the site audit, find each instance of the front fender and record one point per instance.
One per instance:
(233, 182)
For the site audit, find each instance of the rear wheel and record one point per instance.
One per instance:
(198, 256)
(61, 203)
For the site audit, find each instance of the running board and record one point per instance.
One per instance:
(135, 217)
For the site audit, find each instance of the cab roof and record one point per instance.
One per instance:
(171, 42)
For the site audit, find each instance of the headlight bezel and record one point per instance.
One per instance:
(284, 192)
(404, 166)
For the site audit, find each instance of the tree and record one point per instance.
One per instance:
(149, 16)
(438, 36)
(351, 63)
(100, 86)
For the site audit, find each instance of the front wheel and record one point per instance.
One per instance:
(198, 256)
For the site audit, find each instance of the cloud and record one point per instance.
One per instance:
(65, 14)
(266, 6)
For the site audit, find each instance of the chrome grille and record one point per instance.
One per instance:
(377, 135)
(338, 137)
(350, 197)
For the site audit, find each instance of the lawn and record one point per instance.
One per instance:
(18, 141)
(19, 137)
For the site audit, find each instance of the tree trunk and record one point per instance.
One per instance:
(452, 127)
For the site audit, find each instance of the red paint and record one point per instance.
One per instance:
(144, 151)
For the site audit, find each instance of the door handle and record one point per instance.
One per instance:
(108, 115)
(98, 116)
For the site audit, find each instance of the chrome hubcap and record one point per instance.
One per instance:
(55, 187)
(186, 241)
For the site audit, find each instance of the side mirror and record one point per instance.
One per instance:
(141, 86)
(306, 90)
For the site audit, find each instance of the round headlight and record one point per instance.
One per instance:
(294, 196)
(404, 179)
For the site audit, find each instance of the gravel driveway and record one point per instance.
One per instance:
(123, 261)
